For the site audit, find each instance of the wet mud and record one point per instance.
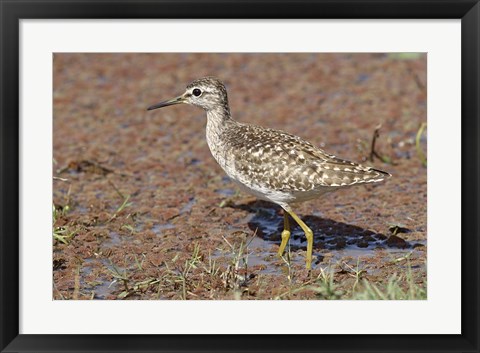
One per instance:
(141, 210)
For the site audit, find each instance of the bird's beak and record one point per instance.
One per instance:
(177, 100)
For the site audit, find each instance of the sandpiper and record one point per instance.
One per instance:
(271, 164)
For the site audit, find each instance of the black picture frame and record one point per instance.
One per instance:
(12, 11)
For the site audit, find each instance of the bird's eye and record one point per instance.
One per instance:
(196, 92)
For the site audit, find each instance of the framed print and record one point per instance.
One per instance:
(168, 176)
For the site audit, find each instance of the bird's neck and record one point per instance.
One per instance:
(218, 118)
(219, 125)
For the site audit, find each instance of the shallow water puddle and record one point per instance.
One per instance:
(225, 192)
(188, 206)
(99, 287)
(159, 228)
(113, 240)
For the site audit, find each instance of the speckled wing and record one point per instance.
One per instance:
(277, 160)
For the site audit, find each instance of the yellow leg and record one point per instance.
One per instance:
(285, 234)
(308, 234)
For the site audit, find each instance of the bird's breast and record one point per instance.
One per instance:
(219, 150)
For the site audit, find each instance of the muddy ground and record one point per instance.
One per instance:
(142, 210)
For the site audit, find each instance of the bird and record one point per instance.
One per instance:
(271, 164)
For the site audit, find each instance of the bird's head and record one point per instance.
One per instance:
(208, 93)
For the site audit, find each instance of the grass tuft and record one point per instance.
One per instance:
(420, 153)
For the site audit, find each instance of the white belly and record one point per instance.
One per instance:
(280, 197)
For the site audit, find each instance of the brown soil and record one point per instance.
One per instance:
(142, 210)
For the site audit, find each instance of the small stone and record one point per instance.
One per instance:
(368, 238)
(396, 241)
(380, 236)
(362, 243)
(340, 244)
(419, 246)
